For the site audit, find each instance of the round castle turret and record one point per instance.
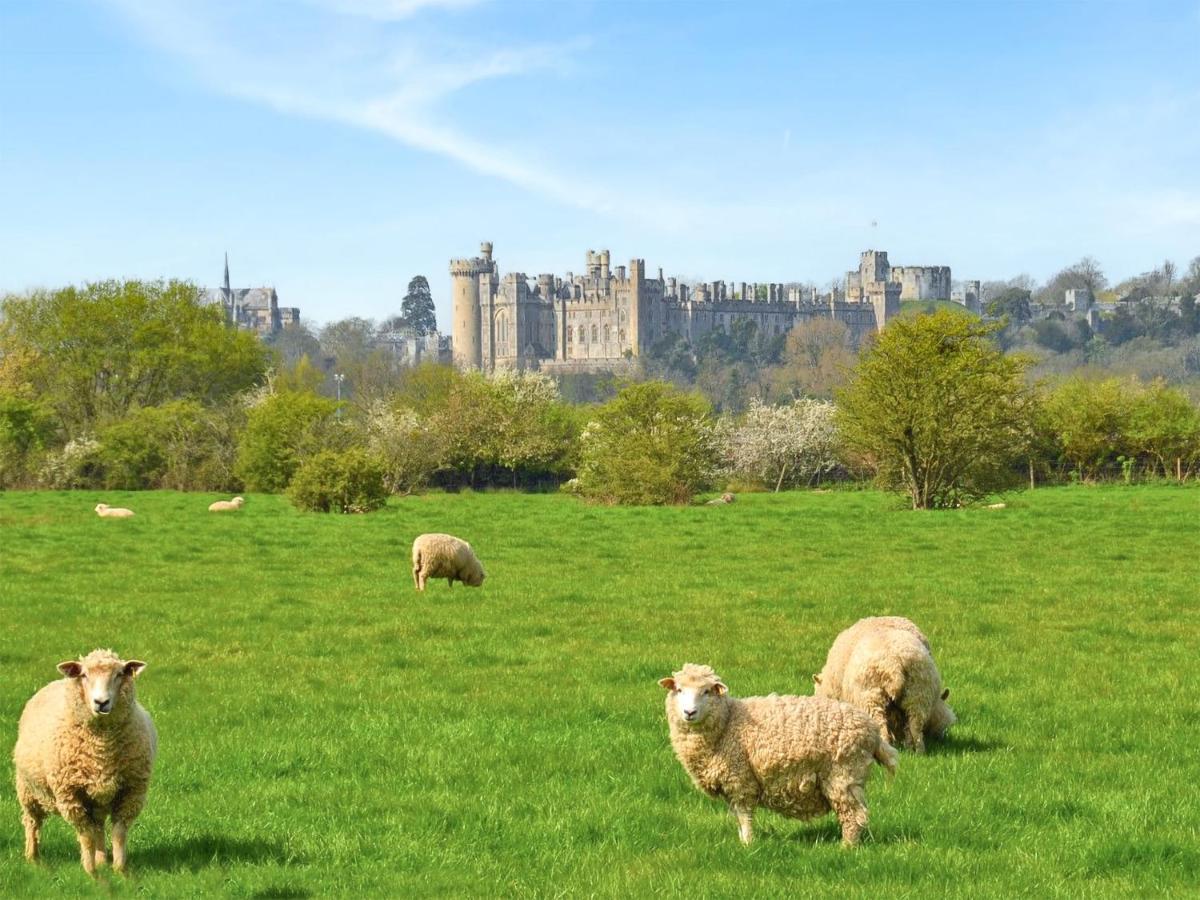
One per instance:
(467, 334)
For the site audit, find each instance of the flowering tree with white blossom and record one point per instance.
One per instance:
(777, 445)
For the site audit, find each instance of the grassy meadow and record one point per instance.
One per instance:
(326, 730)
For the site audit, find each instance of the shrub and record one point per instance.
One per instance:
(1165, 427)
(776, 445)
(77, 465)
(938, 410)
(282, 431)
(651, 444)
(511, 423)
(408, 449)
(26, 428)
(1090, 420)
(177, 446)
(348, 482)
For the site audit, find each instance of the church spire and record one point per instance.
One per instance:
(226, 285)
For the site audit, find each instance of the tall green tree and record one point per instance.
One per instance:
(92, 353)
(417, 307)
(938, 410)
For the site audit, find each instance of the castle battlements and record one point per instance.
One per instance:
(609, 314)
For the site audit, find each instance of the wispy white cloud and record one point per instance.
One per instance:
(374, 79)
(390, 10)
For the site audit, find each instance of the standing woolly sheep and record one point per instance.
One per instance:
(445, 556)
(85, 750)
(884, 666)
(104, 511)
(798, 756)
(227, 505)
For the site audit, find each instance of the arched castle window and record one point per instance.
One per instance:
(595, 334)
(570, 335)
(502, 328)
(621, 335)
(607, 333)
(582, 334)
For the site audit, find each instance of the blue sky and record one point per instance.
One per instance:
(335, 148)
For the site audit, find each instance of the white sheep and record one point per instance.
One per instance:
(445, 556)
(723, 499)
(85, 750)
(104, 511)
(884, 666)
(798, 756)
(227, 505)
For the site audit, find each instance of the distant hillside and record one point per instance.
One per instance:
(926, 307)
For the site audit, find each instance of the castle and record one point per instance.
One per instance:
(255, 309)
(609, 315)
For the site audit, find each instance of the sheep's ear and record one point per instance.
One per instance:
(668, 683)
(945, 693)
(133, 667)
(71, 668)
(719, 689)
(816, 677)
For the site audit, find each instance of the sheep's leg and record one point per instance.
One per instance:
(916, 731)
(875, 704)
(129, 804)
(849, 802)
(32, 817)
(119, 831)
(74, 810)
(745, 817)
(417, 577)
(99, 814)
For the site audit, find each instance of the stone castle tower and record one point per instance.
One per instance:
(468, 306)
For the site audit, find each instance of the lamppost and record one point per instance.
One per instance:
(338, 378)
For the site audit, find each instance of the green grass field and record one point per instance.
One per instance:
(325, 730)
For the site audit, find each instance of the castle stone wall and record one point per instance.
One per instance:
(606, 317)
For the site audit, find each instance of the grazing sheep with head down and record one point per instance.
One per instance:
(445, 556)
(884, 666)
(798, 756)
(85, 750)
(227, 505)
(104, 511)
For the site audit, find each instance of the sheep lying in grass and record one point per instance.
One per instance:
(104, 511)
(884, 666)
(798, 756)
(85, 749)
(723, 499)
(445, 556)
(227, 505)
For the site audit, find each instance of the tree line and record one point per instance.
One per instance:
(141, 385)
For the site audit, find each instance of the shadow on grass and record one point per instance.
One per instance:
(828, 831)
(207, 850)
(952, 746)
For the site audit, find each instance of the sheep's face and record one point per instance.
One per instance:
(821, 688)
(238, 501)
(694, 692)
(104, 679)
(101, 507)
(475, 577)
(941, 716)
